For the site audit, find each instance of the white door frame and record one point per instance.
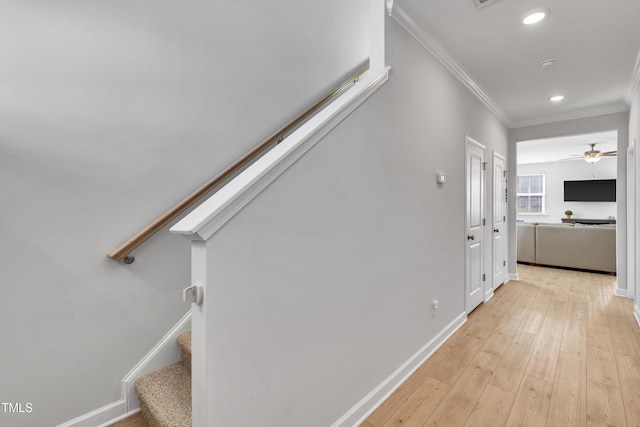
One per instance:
(632, 232)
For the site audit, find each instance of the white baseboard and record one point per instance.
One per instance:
(514, 277)
(356, 415)
(99, 417)
(621, 292)
(164, 353)
(488, 295)
(636, 313)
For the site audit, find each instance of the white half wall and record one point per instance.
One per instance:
(320, 289)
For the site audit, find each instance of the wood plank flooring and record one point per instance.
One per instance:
(133, 421)
(556, 348)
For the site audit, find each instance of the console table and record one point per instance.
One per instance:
(587, 221)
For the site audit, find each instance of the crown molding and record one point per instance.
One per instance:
(573, 115)
(635, 82)
(406, 18)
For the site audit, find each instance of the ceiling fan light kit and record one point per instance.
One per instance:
(589, 159)
(594, 156)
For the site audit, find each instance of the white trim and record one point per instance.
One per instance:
(101, 416)
(514, 277)
(573, 115)
(213, 213)
(389, 4)
(621, 292)
(356, 415)
(199, 347)
(489, 295)
(377, 60)
(635, 82)
(164, 353)
(636, 314)
(406, 18)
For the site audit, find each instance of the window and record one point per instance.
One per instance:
(530, 193)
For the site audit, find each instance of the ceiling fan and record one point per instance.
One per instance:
(593, 155)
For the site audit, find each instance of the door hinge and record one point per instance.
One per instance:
(504, 263)
(484, 277)
(484, 166)
(504, 218)
(484, 221)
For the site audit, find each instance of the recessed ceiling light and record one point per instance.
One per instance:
(534, 16)
(556, 98)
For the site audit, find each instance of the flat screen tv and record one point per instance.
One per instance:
(595, 190)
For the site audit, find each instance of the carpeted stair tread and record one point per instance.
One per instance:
(184, 340)
(165, 396)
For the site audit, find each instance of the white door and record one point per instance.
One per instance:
(499, 220)
(474, 227)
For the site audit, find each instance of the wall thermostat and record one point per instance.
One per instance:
(441, 178)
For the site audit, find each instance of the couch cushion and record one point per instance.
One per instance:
(589, 248)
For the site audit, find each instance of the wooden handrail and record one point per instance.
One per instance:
(124, 249)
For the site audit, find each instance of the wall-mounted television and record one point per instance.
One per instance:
(594, 190)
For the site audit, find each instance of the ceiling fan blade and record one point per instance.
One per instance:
(566, 159)
(609, 153)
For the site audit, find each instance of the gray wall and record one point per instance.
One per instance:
(555, 174)
(324, 282)
(111, 112)
(616, 121)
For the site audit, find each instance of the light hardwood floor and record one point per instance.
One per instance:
(133, 421)
(556, 349)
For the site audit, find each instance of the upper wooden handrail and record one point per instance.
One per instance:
(124, 249)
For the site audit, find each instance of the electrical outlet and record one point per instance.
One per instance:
(435, 305)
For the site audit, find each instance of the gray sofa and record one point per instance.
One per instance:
(588, 247)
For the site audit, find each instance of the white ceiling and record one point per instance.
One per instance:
(555, 149)
(596, 44)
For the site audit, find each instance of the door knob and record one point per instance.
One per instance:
(495, 230)
(471, 237)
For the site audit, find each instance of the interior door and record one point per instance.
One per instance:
(474, 227)
(498, 241)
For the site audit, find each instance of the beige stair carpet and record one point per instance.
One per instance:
(165, 395)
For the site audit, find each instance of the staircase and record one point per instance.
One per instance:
(165, 395)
